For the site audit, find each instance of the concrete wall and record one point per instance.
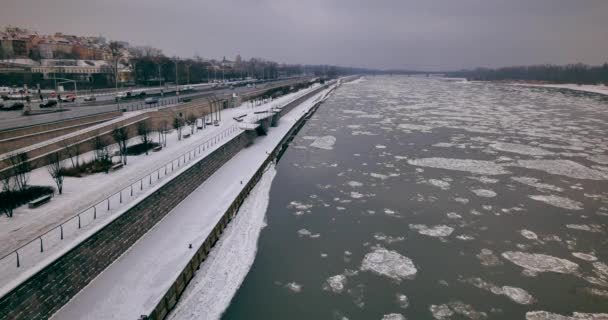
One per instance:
(48, 290)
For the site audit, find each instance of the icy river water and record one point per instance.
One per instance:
(414, 198)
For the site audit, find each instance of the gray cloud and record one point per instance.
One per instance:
(415, 34)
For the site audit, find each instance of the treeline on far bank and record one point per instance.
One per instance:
(573, 73)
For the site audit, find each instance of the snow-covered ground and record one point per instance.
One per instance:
(601, 89)
(123, 291)
(81, 194)
(220, 276)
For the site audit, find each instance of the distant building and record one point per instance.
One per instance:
(13, 48)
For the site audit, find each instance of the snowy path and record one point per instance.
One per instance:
(123, 290)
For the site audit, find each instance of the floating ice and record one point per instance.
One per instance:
(559, 202)
(294, 287)
(413, 127)
(485, 180)
(517, 295)
(443, 185)
(529, 234)
(601, 269)
(584, 227)
(299, 206)
(484, 193)
(441, 312)
(601, 159)
(533, 182)
(566, 168)
(403, 301)
(488, 258)
(393, 316)
(388, 263)
(474, 166)
(354, 184)
(379, 146)
(435, 231)
(453, 215)
(326, 142)
(521, 149)
(306, 233)
(544, 315)
(462, 200)
(336, 283)
(378, 176)
(584, 256)
(537, 262)
(356, 195)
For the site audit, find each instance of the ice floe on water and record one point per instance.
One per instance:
(585, 227)
(482, 167)
(379, 176)
(326, 142)
(520, 149)
(488, 258)
(585, 256)
(533, 182)
(484, 193)
(601, 159)
(335, 283)
(453, 215)
(354, 184)
(393, 316)
(443, 185)
(446, 311)
(461, 200)
(544, 315)
(403, 301)
(517, 295)
(388, 263)
(294, 287)
(388, 239)
(536, 262)
(529, 234)
(306, 233)
(565, 168)
(434, 231)
(558, 201)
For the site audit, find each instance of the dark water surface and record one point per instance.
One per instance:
(438, 200)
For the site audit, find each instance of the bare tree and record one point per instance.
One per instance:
(56, 170)
(7, 204)
(121, 136)
(72, 150)
(20, 169)
(144, 131)
(191, 120)
(178, 124)
(102, 148)
(162, 132)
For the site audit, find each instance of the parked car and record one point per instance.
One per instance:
(90, 98)
(48, 103)
(187, 99)
(69, 97)
(216, 123)
(151, 100)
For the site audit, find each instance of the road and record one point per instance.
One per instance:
(15, 119)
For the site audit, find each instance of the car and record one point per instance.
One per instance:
(69, 97)
(187, 88)
(48, 103)
(186, 99)
(90, 98)
(121, 95)
(151, 100)
(14, 106)
(216, 123)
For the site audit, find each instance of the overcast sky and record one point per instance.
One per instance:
(406, 34)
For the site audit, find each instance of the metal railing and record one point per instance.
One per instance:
(89, 215)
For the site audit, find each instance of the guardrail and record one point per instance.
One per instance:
(89, 215)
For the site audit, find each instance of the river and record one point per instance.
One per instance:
(433, 199)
